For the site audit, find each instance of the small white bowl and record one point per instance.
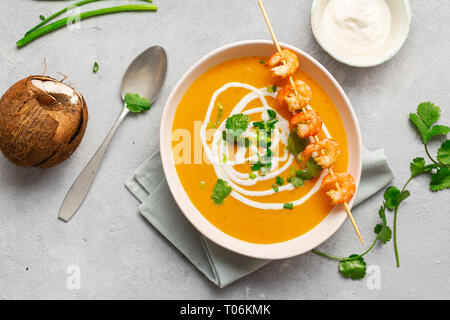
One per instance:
(401, 22)
(285, 249)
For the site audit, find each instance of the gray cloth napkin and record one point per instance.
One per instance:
(220, 265)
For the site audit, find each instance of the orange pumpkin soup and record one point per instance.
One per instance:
(217, 134)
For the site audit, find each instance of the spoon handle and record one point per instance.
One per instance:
(82, 184)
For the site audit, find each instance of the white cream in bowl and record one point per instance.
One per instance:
(361, 33)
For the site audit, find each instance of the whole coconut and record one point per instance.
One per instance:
(42, 122)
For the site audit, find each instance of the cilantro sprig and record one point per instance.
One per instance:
(135, 103)
(296, 144)
(220, 192)
(439, 169)
(354, 266)
(237, 124)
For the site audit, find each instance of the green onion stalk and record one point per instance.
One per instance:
(53, 16)
(85, 15)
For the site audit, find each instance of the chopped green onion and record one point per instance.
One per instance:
(288, 206)
(279, 181)
(272, 114)
(202, 184)
(252, 176)
(256, 167)
(271, 89)
(297, 182)
(265, 170)
(247, 142)
(275, 187)
(95, 68)
(304, 174)
(292, 171)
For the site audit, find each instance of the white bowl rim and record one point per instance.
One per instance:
(273, 251)
(394, 50)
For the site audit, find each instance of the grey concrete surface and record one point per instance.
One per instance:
(119, 254)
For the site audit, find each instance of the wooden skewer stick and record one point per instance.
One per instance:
(277, 45)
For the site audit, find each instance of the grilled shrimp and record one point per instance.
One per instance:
(295, 99)
(283, 64)
(307, 124)
(346, 188)
(324, 152)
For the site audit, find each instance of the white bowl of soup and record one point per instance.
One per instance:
(214, 166)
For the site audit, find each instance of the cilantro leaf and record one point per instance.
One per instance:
(135, 103)
(394, 197)
(384, 232)
(443, 154)
(220, 191)
(237, 124)
(441, 180)
(418, 167)
(428, 113)
(438, 130)
(272, 114)
(355, 269)
(296, 144)
(382, 213)
(313, 167)
(421, 127)
(390, 196)
(311, 171)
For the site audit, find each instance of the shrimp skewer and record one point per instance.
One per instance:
(283, 64)
(291, 80)
(324, 152)
(306, 124)
(296, 97)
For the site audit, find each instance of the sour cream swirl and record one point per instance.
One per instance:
(218, 150)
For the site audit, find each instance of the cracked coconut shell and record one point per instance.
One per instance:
(42, 122)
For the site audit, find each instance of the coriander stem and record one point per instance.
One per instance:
(320, 253)
(63, 22)
(429, 156)
(397, 258)
(370, 248)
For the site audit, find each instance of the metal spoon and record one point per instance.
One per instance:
(145, 76)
